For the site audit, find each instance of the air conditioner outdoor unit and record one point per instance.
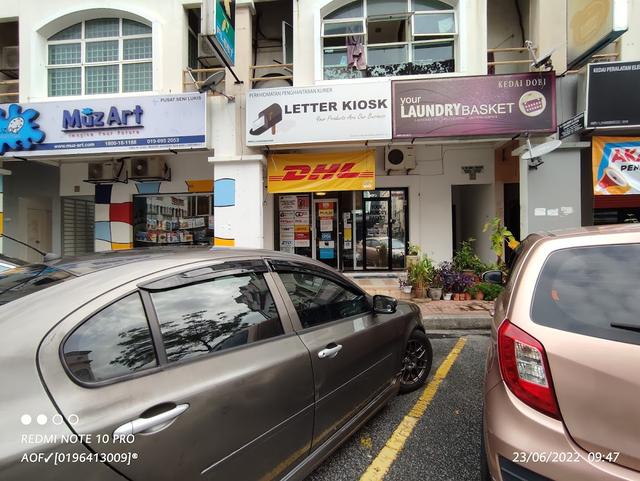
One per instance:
(149, 168)
(399, 158)
(10, 59)
(106, 172)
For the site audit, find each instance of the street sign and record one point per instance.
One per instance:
(574, 125)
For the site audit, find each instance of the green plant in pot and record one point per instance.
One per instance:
(435, 287)
(467, 261)
(420, 274)
(413, 255)
(499, 235)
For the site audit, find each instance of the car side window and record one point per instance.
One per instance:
(319, 300)
(114, 342)
(218, 314)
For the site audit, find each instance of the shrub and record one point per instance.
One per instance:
(490, 291)
(452, 279)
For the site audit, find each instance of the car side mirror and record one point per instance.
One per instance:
(493, 277)
(384, 304)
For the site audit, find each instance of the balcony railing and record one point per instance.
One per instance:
(274, 74)
(9, 90)
(508, 60)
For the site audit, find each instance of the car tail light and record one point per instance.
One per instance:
(525, 369)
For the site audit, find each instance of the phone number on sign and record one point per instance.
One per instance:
(61, 458)
(562, 457)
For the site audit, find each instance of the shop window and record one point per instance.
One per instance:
(100, 56)
(400, 37)
(173, 219)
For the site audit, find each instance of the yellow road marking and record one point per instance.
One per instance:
(380, 466)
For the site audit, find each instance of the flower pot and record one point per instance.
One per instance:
(456, 296)
(479, 295)
(435, 293)
(419, 292)
(447, 296)
(407, 289)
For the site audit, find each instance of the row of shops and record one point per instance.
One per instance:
(350, 174)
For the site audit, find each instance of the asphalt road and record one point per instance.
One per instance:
(445, 442)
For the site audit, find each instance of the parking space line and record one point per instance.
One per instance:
(380, 466)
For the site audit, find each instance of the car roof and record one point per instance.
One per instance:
(594, 230)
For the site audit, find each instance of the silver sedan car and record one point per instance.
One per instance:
(193, 364)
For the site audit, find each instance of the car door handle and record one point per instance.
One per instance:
(144, 424)
(330, 351)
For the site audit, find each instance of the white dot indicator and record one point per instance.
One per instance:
(41, 419)
(56, 419)
(25, 419)
(74, 419)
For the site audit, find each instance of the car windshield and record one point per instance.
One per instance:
(25, 280)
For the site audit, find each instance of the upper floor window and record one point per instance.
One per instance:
(379, 38)
(100, 56)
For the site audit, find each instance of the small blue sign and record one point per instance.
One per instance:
(325, 236)
(327, 253)
(18, 129)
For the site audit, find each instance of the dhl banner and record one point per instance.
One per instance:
(322, 172)
(616, 165)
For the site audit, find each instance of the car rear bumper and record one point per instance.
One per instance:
(523, 444)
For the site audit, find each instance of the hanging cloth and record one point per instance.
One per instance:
(355, 52)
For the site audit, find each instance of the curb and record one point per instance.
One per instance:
(444, 321)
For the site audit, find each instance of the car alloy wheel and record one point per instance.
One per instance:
(416, 362)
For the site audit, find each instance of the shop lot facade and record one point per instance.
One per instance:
(205, 163)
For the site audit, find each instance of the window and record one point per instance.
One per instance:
(100, 56)
(400, 37)
(591, 291)
(319, 300)
(113, 343)
(211, 316)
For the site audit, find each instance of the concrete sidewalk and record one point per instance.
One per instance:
(455, 314)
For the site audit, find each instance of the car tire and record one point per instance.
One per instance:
(416, 362)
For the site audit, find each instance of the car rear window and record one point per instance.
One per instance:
(25, 280)
(592, 291)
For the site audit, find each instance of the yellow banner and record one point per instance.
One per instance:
(322, 172)
(616, 165)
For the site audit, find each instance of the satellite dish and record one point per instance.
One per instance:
(534, 153)
(211, 82)
(541, 149)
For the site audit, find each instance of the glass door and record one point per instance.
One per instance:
(376, 233)
(326, 231)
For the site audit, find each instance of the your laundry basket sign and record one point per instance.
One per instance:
(474, 106)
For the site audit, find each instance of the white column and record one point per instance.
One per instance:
(239, 195)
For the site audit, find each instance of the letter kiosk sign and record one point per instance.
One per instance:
(103, 125)
(474, 106)
(616, 165)
(292, 115)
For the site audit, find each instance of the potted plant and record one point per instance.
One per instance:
(448, 275)
(435, 286)
(499, 235)
(413, 255)
(405, 285)
(420, 275)
(490, 291)
(476, 292)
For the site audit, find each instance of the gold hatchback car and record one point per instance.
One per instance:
(562, 382)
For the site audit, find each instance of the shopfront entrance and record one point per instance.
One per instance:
(354, 230)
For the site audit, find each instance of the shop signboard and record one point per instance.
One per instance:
(219, 23)
(612, 88)
(592, 25)
(294, 222)
(474, 106)
(616, 165)
(122, 124)
(333, 113)
(574, 125)
(321, 172)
